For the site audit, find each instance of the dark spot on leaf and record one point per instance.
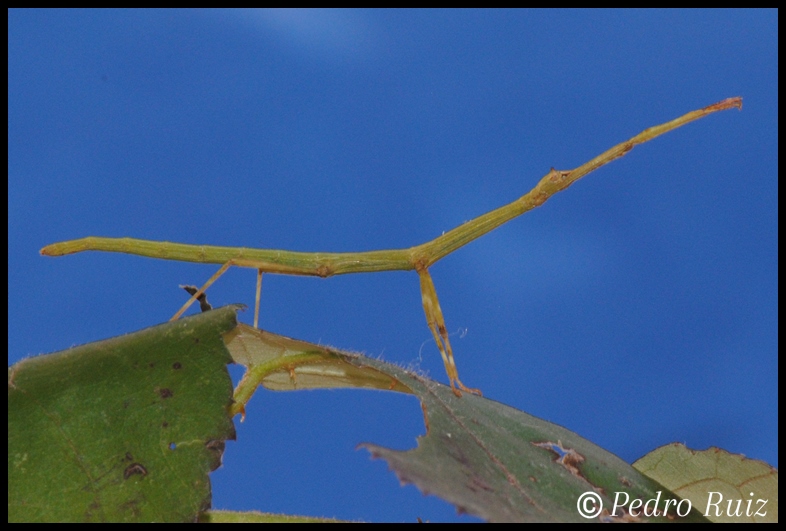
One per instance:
(131, 507)
(215, 444)
(165, 393)
(177, 365)
(134, 468)
(623, 518)
(216, 447)
(151, 364)
(92, 509)
(165, 424)
(477, 483)
(567, 457)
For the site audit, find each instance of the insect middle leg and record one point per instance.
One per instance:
(198, 293)
(259, 293)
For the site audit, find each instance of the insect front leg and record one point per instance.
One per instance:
(201, 290)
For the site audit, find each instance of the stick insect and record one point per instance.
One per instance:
(418, 258)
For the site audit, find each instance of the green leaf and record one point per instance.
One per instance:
(486, 458)
(255, 517)
(724, 487)
(125, 429)
(281, 363)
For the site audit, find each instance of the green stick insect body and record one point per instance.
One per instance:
(418, 258)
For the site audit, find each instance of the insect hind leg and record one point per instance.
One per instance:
(436, 323)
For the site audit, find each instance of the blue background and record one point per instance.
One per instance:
(637, 308)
